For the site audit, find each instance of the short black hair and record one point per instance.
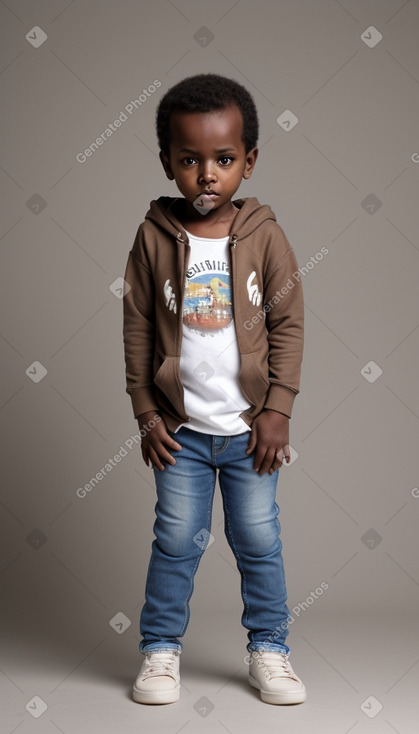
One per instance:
(206, 93)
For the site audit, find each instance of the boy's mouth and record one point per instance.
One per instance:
(208, 192)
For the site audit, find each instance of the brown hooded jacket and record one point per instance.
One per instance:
(268, 311)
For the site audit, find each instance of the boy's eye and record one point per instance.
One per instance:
(224, 160)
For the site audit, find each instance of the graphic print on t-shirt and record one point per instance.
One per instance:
(207, 298)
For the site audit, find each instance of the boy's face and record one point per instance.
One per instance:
(207, 153)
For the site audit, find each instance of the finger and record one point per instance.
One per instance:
(252, 442)
(260, 459)
(174, 444)
(268, 460)
(155, 459)
(145, 456)
(275, 466)
(164, 454)
(282, 455)
(158, 445)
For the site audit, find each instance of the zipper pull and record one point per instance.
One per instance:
(234, 238)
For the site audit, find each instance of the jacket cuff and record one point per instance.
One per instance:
(143, 400)
(281, 399)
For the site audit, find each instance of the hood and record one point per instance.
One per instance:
(250, 216)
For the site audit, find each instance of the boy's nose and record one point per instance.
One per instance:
(207, 173)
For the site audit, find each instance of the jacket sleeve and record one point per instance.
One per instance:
(284, 307)
(139, 332)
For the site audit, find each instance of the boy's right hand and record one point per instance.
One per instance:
(153, 445)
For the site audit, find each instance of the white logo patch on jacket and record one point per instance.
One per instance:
(170, 296)
(255, 295)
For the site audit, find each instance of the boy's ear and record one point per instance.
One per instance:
(251, 158)
(166, 165)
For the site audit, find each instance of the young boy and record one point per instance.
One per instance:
(213, 338)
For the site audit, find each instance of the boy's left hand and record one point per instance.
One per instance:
(269, 436)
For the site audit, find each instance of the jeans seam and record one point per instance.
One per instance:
(188, 598)
(237, 556)
(223, 448)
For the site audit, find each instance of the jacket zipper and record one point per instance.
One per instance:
(179, 237)
(233, 242)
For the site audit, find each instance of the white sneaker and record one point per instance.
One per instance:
(158, 680)
(272, 674)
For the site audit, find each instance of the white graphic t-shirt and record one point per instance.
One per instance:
(210, 358)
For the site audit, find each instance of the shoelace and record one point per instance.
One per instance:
(276, 665)
(159, 664)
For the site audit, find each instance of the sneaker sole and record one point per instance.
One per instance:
(157, 697)
(278, 698)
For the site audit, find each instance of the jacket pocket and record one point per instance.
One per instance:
(167, 379)
(254, 376)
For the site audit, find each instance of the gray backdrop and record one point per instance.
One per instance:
(337, 89)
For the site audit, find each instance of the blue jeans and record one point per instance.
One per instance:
(183, 510)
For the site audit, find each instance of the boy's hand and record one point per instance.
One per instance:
(269, 436)
(153, 445)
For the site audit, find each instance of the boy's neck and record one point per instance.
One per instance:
(214, 224)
